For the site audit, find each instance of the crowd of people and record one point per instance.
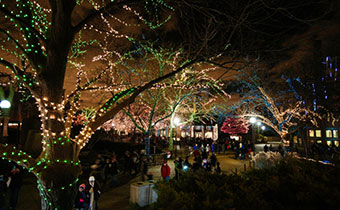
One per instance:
(325, 152)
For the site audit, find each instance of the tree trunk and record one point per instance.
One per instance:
(147, 144)
(171, 137)
(5, 127)
(56, 198)
(57, 186)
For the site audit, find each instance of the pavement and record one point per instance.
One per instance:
(117, 197)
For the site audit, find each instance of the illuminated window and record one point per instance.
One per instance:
(319, 141)
(328, 133)
(336, 143)
(335, 134)
(329, 143)
(311, 133)
(318, 133)
(295, 140)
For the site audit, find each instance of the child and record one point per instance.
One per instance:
(81, 199)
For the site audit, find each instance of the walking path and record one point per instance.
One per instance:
(118, 197)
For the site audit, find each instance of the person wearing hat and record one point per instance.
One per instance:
(93, 193)
(81, 198)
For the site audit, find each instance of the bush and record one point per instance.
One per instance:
(267, 159)
(291, 184)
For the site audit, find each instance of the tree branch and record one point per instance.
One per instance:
(21, 74)
(4, 10)
(115, 109)
(96, 13)
(10, 152)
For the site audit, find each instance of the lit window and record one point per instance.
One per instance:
(295, 140)
(329, 143)
(336, 143)
(319, 141)
(311, 133)
(328, 133)
(318, 133)
(335, 134)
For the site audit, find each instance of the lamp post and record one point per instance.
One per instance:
(175, 122)
(252, 120)
(5, 106)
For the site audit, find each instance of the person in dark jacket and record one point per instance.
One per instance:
(143, 168)
(113, 171)
(81, 198)
(93, 193)
(3, 189)
(218, 168)
(14, 186)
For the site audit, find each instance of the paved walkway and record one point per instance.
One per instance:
(118, 198)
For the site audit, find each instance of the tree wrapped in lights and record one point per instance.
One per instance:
(258, 103)
(187, 94)
(235, 126)
(48, 42)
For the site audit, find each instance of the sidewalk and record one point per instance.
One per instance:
(118, 197)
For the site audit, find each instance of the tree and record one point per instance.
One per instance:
(42, 45)
(280, 111)
(235, 126)
(44, 41)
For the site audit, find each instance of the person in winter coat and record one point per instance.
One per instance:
(143, 168)
(3, 189)
(93, 193)
(15, 183)
(165, 171)
(113, 171)
(81, 198)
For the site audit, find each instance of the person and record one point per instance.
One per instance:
(178, 167)
(186, 164)
(81, 198)
(3, 189)
(143, 168)
(15, 182)
(165, 171)
(113, 171)
(281, 151)
(128, 164)
(93, 193)
(195, 166)
(213, 160)
(98, 168)
(218, 168)
(265, 148)
(137, 162)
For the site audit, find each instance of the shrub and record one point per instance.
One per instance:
(291, 184)
(267, 159)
